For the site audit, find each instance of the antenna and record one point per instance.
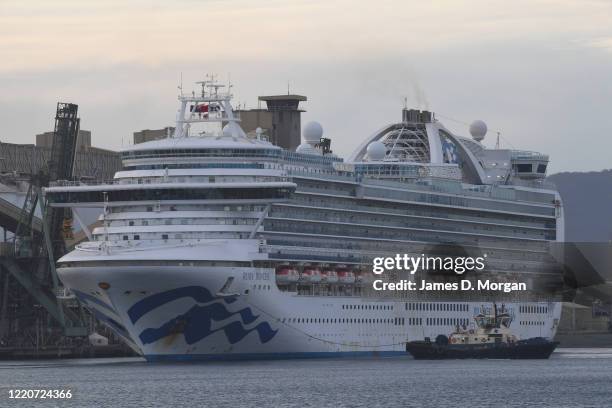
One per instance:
(288, 93)
(180, 87)
(497, 142)
(104, 214)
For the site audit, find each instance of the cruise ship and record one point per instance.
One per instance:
(216, 244)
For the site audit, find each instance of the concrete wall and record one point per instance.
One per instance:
(254, 118)
(580, 318)
(282, 128)
(29, 159)
(83, 140)
(147, 135)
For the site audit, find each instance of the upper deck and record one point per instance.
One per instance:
(416, 154)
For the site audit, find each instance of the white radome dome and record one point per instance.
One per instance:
(478, 130)
(306, 149)
(227, 130)
(312, 133)
(376, 151)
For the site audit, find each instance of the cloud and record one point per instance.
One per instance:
(535, 69)
(604, 43)
(97, 34)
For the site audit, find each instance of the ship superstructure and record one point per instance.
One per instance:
(217, 244)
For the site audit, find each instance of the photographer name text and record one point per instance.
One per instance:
(463, 285)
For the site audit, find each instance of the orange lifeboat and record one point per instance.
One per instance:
(311, 273)
(286, 274)
(365, 277)
(358, 276)
(328, 274)
(345, 275)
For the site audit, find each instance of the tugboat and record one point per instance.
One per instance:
(491, 339)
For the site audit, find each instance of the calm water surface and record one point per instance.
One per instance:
(571, 378)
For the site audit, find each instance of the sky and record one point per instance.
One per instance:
(537, 71)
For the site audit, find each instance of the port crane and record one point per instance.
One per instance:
(36, 246)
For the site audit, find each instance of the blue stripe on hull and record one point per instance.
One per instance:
(270, 356)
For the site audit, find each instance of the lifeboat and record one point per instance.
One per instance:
(311, 273)
(365, 277)
(345, 275)
(358, 276)
(287, 274)
(328, 274)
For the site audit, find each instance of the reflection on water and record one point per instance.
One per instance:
(583, 353)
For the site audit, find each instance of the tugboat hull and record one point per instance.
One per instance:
(536, 348)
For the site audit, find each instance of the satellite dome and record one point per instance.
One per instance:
(376, 150)
(478, 130)
(312, 132)
(306, 149)
(227, 130)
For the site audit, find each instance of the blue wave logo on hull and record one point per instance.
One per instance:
(197, 293)
(196, 323)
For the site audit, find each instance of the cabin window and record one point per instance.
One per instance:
(541, 168)
(524, 168)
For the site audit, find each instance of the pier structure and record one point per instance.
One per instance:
(37, 317)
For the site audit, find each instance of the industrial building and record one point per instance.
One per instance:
(147, 135)
(83, 140)
(37, 318)
(280, 121)
(30, 159)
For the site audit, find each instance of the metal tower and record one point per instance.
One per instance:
(38, 252)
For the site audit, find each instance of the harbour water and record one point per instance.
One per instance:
(570, 378)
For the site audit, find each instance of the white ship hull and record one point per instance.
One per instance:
(176, 313)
